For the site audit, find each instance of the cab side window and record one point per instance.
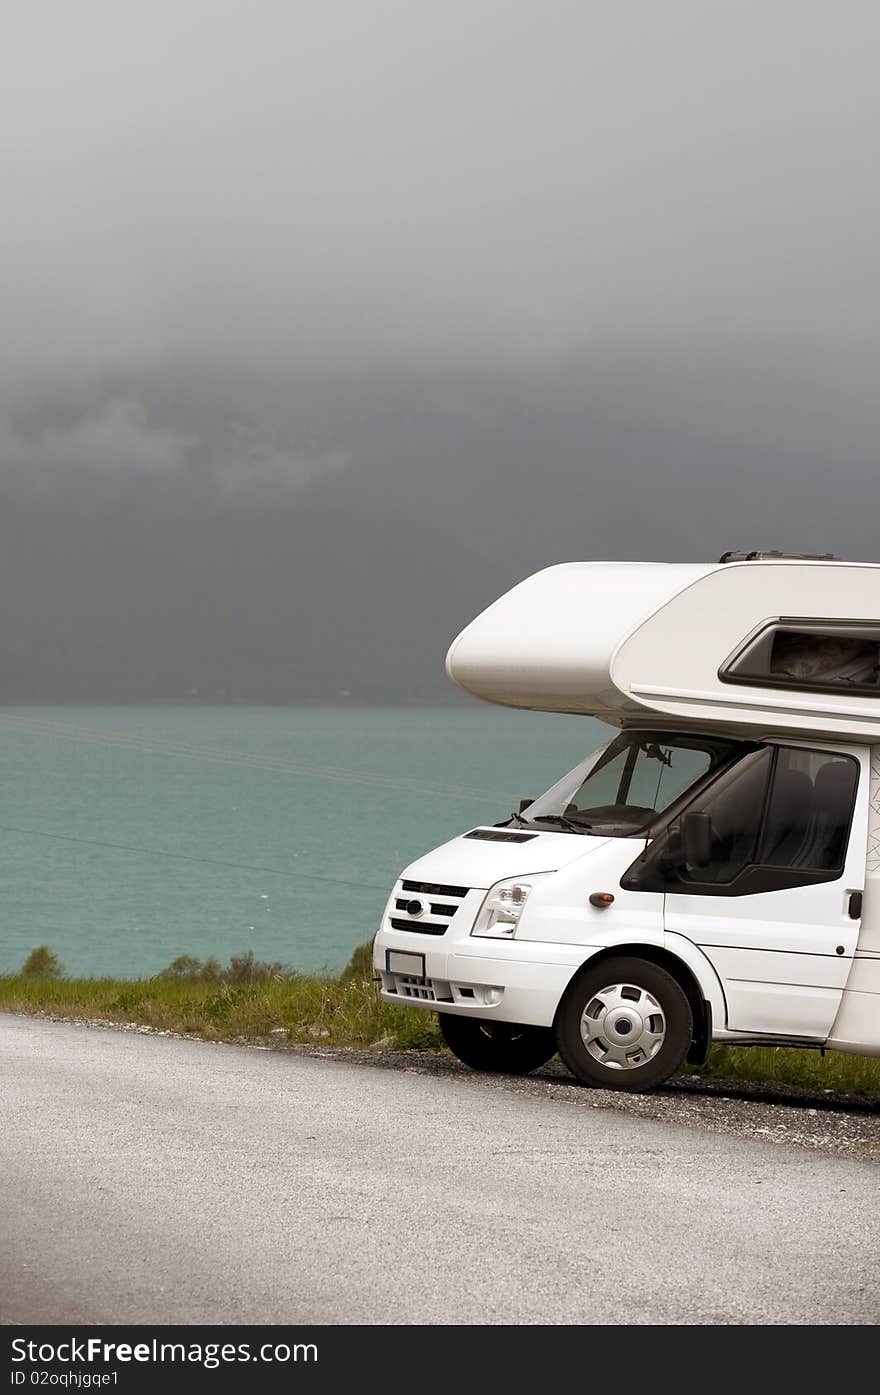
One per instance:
(780, 818)
(736, 807)
(809, 811)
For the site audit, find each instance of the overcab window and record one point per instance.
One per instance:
(809, 654)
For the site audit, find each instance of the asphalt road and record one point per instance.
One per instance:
(149, 1179)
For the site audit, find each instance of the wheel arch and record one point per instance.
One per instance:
(698, 982)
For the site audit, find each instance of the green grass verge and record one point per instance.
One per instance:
(254, 1002)
(324, 1011)
(780, 1065)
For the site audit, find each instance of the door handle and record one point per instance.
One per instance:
(855, 905)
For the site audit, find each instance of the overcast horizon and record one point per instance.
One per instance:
(324, 323)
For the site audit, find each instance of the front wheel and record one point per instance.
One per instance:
(624, 1024)
(497, 1046)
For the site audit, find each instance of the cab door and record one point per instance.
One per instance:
(776, 908)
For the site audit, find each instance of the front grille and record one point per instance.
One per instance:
(437, 907)
(441, 913)
(418, 927)
(435, 888)
(421, 988)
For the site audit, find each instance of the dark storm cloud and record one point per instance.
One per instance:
(324, 322)
(333, 178)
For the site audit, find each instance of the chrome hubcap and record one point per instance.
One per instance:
(623, 1026)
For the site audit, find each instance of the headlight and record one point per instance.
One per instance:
(500, 912)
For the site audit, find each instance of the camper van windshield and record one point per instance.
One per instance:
(619, 790)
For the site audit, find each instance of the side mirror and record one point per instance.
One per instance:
(696, 839)
(524, 804)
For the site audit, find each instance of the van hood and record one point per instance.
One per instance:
(480, 862)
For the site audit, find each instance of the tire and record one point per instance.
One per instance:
(497, 1046)
(624, 1024)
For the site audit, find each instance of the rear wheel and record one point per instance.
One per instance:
(624, 1024)
(497, 1046)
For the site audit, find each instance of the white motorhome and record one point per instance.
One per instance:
(713, 874)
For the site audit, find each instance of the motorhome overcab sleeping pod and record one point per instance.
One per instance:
(713, 873)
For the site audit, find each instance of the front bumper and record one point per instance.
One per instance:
(506, 980)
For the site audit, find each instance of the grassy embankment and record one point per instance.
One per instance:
(266, 1002)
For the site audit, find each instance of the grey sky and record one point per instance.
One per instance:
(323, 321)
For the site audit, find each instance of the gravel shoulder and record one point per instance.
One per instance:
(830, 1121)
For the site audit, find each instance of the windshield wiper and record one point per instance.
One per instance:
(562, 820)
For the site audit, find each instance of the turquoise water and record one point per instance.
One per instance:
(132, 835)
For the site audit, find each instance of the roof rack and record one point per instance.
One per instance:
(773, 555)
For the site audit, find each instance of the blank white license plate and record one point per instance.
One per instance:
(399, 962)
